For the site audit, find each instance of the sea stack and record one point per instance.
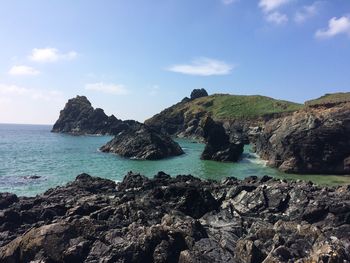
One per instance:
(79, 117)
(218, 146)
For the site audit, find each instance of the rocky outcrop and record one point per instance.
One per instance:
(218, 146)
(79, 117)
(141, 142)
(181, 219)
(198, 93)
(314, 140)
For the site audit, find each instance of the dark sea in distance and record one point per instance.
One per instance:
(32, 150)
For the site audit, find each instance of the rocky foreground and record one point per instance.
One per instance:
(180, 219)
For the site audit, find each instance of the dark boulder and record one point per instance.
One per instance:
(142, 142)
(198, 93)
(218, 146)
(314, 140)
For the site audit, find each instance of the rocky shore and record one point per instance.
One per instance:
(177, 219)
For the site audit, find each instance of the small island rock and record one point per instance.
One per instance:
(141, 142)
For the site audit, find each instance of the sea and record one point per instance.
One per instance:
(33, 159)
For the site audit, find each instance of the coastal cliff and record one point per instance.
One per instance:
(313, 140)
(177, 219)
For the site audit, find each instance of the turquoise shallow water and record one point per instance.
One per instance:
(32, 150)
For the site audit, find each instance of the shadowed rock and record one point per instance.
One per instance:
(218, 146)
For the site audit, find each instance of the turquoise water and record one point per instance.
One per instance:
(32, 150)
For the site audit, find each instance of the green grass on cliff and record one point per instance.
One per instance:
(330, 99)
(240, 107)
(224, 107)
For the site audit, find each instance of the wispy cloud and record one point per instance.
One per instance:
(19, 70)
(36, 94)
(336, 26)
(271, 13)
(308, 11)
(228, 2)
(277, 18)
(109, 88)
(50, 54)
(270, 5)
(203, 67)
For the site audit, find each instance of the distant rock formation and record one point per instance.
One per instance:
(198, 93)
(79, 117)
(314, 140)
(141, 142)
(218, 146)
(177, 220)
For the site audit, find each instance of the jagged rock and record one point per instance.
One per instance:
(314, 140)
(218, 146)
(177, 219)
(79, 117)
(198, 93)
(141, 142)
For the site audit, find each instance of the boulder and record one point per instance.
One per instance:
(142, 142)
(198, 93)
(218, 146)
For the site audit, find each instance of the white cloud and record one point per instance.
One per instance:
(51, 55)
(23, 70)
(277, 18)
(270, 5)
(228, 2)
(108, 88)
(36, 94)
(307, 12)
(203, 67)
(336, 26)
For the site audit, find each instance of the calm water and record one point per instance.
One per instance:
(31, 150)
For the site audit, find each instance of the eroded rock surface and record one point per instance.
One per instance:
(181, 219)
(314, 140)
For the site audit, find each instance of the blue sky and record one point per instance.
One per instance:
(134, 58)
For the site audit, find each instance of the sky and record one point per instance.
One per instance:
(135, 58)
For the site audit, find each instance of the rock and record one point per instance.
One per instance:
(79, 117)
(218, 146)
(7, 199)
(177, 219)
(142, 142)
(315, 140)
(198, 93)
